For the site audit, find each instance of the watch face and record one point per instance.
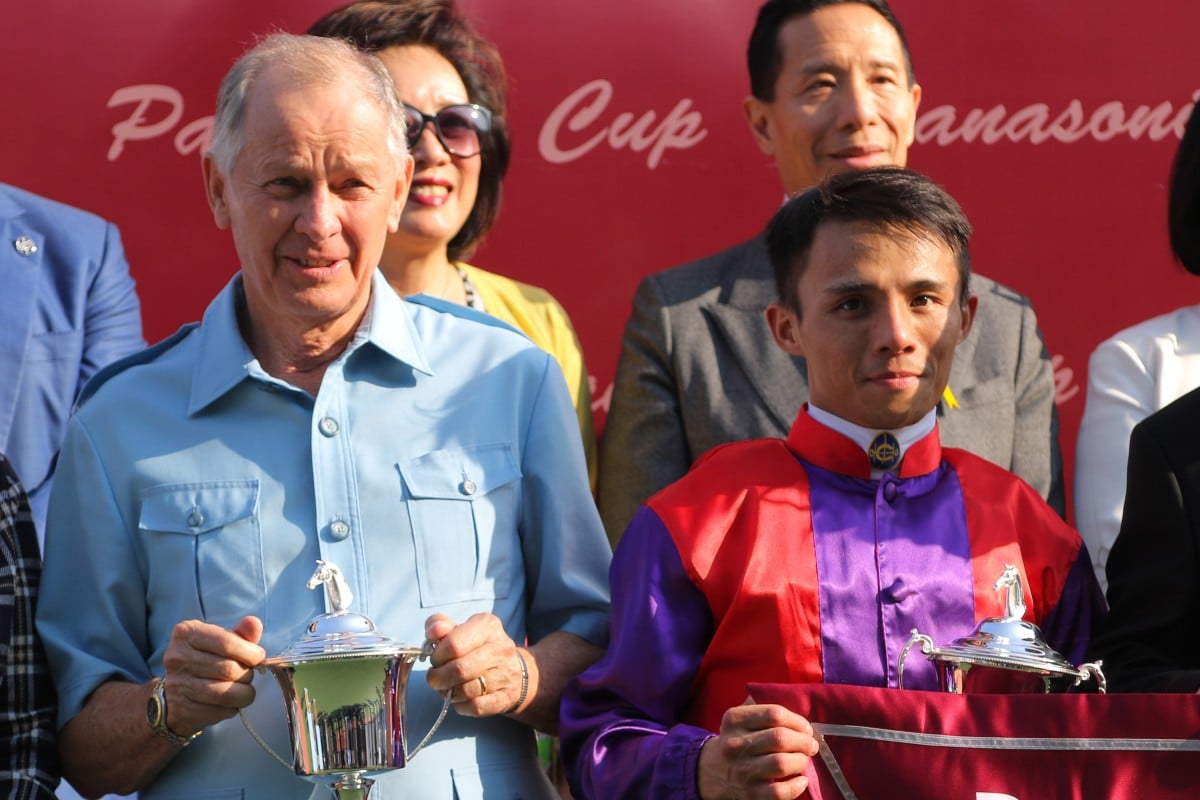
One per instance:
(153, 708)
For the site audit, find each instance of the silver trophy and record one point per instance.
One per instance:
(1004, 654)
(344, 685)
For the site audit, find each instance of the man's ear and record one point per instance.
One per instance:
(916, 98)
(214, 188)
(968, 310)
(403, 182)
(758, 117)
(785, 328)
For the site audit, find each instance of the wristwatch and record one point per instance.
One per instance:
(156, 714)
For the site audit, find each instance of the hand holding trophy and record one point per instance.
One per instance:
(344, 685)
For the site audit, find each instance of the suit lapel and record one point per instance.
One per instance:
(19, 275)
(779, 379)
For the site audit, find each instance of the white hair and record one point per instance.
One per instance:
(314, 60)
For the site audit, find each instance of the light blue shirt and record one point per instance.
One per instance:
(439, 467)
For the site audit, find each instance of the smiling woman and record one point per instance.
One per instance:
(452, 84)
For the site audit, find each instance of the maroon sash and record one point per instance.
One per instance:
(889, 743)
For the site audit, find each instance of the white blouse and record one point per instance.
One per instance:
(1130, 376)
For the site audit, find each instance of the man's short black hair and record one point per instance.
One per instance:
(764, 56)
(889, 198)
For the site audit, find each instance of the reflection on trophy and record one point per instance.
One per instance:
(343, 686)
(1004, 654)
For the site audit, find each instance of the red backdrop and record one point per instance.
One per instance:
(1053, 124)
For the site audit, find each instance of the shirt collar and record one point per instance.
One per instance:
(224, 360)
(840, 446)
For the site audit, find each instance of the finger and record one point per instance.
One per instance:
(481, 697)
(776, 775)
(477, 644)
(195, 704)
(249, 628)
(437, 627)
(762, 717)
(787, 788)
(499, 655)
(480, 631)
(230, 695)
(774, 741)
(202, 652)
(215, 641)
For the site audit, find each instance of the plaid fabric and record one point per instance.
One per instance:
(28, 749)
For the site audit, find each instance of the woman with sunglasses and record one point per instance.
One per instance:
(452, 84)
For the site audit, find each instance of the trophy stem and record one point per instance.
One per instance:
(352, 786)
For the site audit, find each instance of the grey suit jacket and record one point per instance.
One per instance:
(699, 368)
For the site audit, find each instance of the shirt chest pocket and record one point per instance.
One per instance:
(206, 535)
(463, 506)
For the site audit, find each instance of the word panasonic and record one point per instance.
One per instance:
(1037, 123)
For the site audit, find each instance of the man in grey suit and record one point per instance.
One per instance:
(832, 90)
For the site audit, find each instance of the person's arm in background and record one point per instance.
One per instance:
(114, 315)
(1037, 456)
(112, 329)
(90, 277)
(644, 446)
(29, 770)
(1120, 394)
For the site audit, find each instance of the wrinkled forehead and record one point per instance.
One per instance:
(285, 114)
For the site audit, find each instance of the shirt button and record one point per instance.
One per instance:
(328, 426)
(339, 530)
(194, 518)
(897, 592)
(468, 486)
(889, 492)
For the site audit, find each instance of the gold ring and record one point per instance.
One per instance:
(482, 685)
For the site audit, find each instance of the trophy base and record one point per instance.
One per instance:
(352, 786)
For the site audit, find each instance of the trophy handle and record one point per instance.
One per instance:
(253, 733)
(1092, 669)
(914, 638)
(426, 652)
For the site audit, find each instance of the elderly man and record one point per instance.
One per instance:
(314, 414)
(832, 90)
(811, 559)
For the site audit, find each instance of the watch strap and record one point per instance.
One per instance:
(158, 688)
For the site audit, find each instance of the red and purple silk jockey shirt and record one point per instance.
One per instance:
(777, 561)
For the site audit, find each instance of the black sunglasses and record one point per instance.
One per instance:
(459, 127)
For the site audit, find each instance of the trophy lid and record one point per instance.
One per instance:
(340, 633)
(1008, 642)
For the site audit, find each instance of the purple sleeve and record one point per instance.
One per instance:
(1067, 628)
(620, 730)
